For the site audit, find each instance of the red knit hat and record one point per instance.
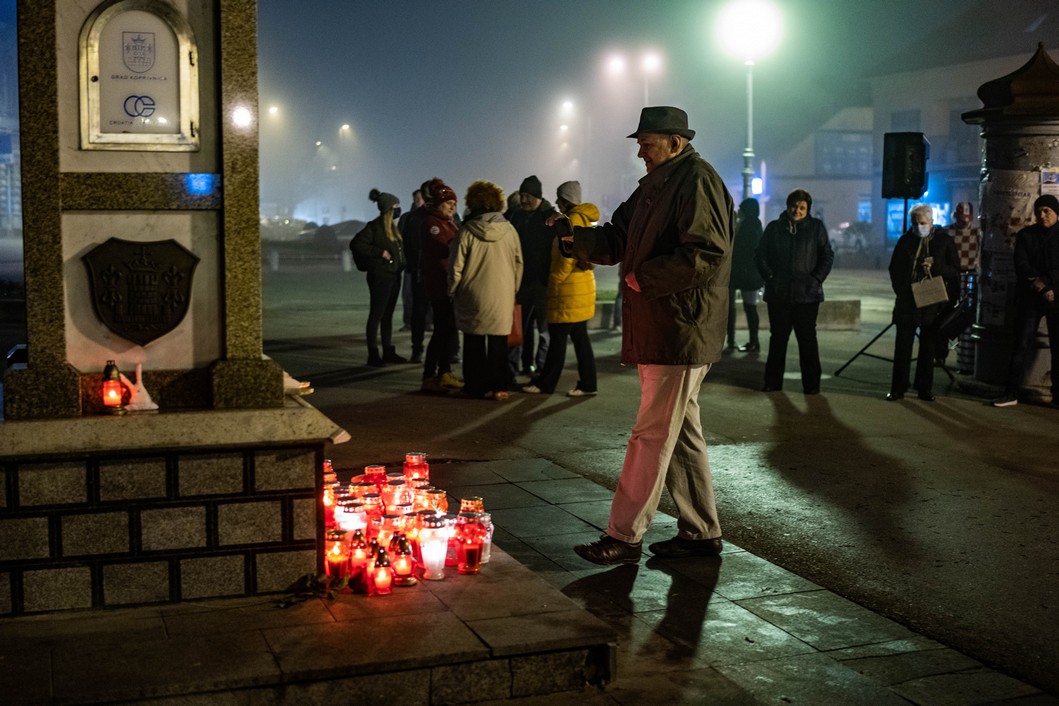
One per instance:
(440, 192)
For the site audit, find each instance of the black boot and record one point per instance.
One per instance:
(374, 359)
(417, 356)
(390, 355)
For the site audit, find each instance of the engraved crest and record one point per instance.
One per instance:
(137, 51)
(140, 290)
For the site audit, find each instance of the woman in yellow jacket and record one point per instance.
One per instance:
(571, 305)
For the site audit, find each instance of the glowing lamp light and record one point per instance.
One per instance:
(757, 186)
(470, 535)
(403, 564)
(434, 533)
(382, 574)
(242, 117)
(415, 466)
(337, 554)
(112, 389)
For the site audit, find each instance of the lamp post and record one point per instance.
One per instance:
(749, 29)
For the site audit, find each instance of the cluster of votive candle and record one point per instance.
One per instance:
(384, 529)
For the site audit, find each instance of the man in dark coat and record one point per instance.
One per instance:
(1037, 277)
(673, 238)
(536, 240)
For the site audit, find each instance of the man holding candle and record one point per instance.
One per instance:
(673, 240)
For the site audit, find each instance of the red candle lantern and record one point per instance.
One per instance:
(415, 466)
(438, 500)
(382, 574)
(376, 475)
(403, 564)
(337, 557)
(470, 533)
(113, 391)
(472, 504)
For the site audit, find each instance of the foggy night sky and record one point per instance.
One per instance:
(472, 90)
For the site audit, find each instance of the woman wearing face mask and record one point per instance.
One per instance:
(923, 250)
(794, 258)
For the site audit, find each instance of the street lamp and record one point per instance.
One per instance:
(748, 30)
(650, 64)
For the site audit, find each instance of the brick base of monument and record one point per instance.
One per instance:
(121, 527)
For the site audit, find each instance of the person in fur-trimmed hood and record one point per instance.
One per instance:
(484, 275)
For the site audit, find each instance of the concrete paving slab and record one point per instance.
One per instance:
(539, 521)
(559, 630)
(228, 618)
(500, 496)
(567, 490)
(25, 672)
(743, 575)
(84, 673)
(383, 644)
(980, 687)
(809, 679)
(494, 596)
(722, 632)
(825, 620)
(908, 666)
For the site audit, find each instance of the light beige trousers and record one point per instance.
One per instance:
(667, 448)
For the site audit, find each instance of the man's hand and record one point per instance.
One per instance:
(631, 283)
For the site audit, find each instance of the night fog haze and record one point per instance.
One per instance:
(355, 96)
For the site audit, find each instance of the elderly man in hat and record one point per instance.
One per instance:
(673, 239)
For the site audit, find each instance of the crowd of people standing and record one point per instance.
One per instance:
(499, 276)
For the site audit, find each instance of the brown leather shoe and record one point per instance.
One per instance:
(680, 548)
(608, 551)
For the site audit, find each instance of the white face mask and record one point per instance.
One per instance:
(923, 230)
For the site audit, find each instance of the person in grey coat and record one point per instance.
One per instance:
(484, 274)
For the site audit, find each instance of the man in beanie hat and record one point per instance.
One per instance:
(536, 240)
(1036, 278)
(673, 240)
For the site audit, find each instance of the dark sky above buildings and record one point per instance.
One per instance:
(474, 90)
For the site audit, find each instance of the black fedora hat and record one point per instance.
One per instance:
(664, 120)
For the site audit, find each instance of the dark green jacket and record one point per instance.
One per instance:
(675, 234)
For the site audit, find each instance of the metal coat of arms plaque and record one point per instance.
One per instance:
(140, 290)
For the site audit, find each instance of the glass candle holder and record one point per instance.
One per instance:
(358, 489)
(415, 466)
(373, 505)
(487, 541)
(376, 475)
(434, 534)
(351, 515)
(381, 574)
(472, 504)
(438, 500)
(470, 533)
(394, 493)
(403, 564)
(336, 557)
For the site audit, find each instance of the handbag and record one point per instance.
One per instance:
(929, 291)
(515, 337)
